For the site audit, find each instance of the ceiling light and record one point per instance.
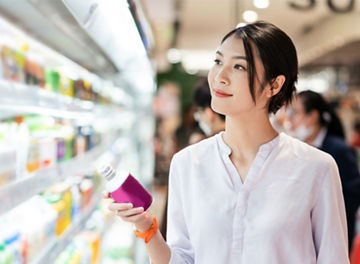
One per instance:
(173, 56)
(192, 71)
(240, 25)
(261, 3)
(250, 16)
(197, 60)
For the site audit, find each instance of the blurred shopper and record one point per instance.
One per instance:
(210, 124)
(248, 194)
(279, 121)
(209, 121)
(187, 127)
(196, 136)
(313, 121)
(355, 141)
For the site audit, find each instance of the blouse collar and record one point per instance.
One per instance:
(266, 147)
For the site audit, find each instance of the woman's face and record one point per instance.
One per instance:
(228, 80)
(302, 125)
(297, 115)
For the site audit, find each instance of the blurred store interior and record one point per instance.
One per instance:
(84, 83)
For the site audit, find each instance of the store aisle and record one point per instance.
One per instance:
(65, 110)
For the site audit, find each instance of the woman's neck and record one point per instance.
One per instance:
(245, 134)
(219, 125)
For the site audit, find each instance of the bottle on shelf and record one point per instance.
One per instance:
(10, 67)
(52, 80)
(7, 153)
(22, 147)
(6, 257)
(66, 86)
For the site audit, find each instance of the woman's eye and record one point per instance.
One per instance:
(217, 62)
(239, 67)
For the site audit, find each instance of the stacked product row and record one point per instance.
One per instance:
(33, 142)
(85, 248)
(34, 223)
(16, 66)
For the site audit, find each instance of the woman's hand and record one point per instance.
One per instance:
(142, 220)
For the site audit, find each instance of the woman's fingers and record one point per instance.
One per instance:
(130, 212)
(127, 212)
(136, 218)
(120, 206)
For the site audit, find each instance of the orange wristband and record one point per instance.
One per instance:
(148, 234)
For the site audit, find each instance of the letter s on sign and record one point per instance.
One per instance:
(308, 6)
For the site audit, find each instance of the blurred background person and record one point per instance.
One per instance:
(313, 121)
(209, 121)
(188, 127)
(280, 121)
(355, 140)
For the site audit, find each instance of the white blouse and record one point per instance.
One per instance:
(290, 209)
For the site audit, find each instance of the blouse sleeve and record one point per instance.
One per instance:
(329, 219)
(177, 232)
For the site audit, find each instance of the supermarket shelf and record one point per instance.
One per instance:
(18, 98)
(43, 179)
(59, 31)
(58, 244)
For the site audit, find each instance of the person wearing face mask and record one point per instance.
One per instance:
(314, 122)
(209, 121)
(249, 194)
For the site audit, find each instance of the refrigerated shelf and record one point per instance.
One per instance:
(58, 244)
(42, 179)
(17, 98)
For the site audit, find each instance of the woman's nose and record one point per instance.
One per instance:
(222, 76)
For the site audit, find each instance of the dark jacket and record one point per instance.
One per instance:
(346, 160)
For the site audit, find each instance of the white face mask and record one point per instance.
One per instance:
(302, 132)
(205, 128)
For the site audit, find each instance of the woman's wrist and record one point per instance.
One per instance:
(145, 224)
(148, 234)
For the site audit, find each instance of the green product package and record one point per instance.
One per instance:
(52, 79)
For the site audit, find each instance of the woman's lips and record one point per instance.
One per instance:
(220, 93)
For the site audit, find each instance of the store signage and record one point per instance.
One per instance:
(333, 6)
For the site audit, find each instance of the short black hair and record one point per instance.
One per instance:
(278, 55)
(328, 118)
(202, 95)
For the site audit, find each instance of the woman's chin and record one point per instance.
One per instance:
(219, 110)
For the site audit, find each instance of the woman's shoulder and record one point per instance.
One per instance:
(301, 151)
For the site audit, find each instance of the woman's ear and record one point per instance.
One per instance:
(276, 85)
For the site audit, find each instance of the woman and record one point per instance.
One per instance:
(249, 195)
(313, 121)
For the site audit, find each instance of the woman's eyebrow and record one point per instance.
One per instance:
(239, 57)
(219, 53)
(234, 57)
